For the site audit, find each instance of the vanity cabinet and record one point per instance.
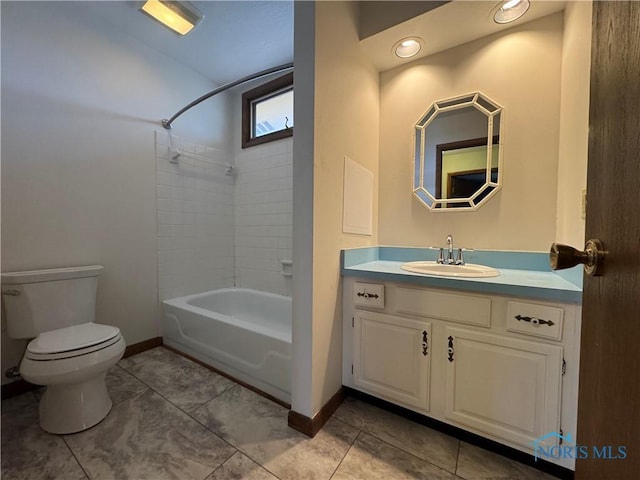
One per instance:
(502, 367)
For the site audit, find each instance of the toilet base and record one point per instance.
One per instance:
(72, 408)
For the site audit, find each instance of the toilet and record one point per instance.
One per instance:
(69, 353)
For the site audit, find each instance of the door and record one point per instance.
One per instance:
(501, 386)
(391, 358)
(609, 392)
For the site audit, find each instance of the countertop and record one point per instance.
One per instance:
(536, 280)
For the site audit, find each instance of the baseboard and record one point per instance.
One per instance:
(311, 426)
(230, 377)
(21, 386)
(17, 387)
(142, 346)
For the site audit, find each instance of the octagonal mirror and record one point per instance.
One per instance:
(457, 153)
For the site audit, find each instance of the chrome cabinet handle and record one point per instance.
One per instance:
(11, 293)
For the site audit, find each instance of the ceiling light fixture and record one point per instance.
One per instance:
(511, 10)
(408, 47)
(181, 17)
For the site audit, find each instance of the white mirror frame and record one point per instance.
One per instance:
(486, 106)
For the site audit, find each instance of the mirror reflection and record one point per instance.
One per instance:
(457, 153)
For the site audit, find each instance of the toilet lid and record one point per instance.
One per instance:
(72, 338)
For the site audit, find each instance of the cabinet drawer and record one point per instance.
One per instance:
(368, 295)
(446, 306)
(536, 320)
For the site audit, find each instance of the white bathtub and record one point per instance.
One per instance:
(242, 332)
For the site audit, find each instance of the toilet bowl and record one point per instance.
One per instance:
(70, 354)
(72, 362)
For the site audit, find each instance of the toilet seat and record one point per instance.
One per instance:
(72, 341)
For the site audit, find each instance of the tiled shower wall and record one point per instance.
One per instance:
(217, 230)
(263, 216)
(195, 208)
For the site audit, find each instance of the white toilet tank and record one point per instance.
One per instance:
(38, 301)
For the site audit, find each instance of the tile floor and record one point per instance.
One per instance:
(174, 419)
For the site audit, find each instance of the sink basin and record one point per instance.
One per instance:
(469, 270)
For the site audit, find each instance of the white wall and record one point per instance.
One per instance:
(263, 209)
(80, 104)
(304, 44)
(217, 230)
(195, 203)
(574, 122)
(263, 216)
(519, 69)
(345, 123)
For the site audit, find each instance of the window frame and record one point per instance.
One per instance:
(249, 97)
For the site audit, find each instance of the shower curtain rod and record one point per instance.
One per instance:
(287, 66)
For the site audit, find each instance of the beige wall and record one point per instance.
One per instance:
(574, 122)
(80, 104)
(519, 69)
(345, 123)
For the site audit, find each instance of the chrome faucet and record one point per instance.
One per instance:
(459, 260)
(450, 247)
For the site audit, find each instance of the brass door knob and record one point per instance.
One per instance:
(564, 256)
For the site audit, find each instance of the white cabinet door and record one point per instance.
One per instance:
(501, 386)
(392, 358)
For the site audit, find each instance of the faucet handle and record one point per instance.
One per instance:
(440, 256)
(459, 257)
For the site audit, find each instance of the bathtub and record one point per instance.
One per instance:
(243, 333)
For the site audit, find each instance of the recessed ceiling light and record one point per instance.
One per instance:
(511, 10)
(408, 47)
(181, 17)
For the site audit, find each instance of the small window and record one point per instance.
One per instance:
(267, 112)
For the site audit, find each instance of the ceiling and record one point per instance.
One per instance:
(235, 38)
(239, 37)
(447, 26)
